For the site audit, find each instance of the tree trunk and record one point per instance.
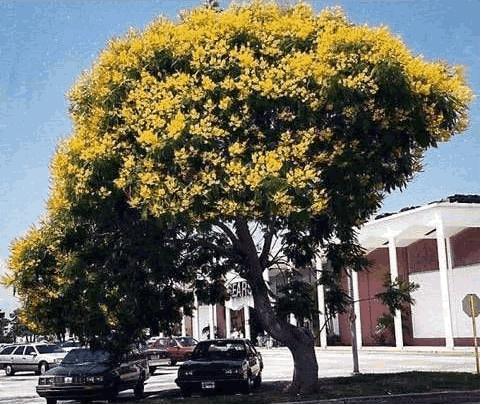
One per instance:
(305, 378)
(299, 340)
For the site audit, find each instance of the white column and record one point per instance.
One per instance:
(444, 283)
(266, 277)
(182, 325)
(357, 308)
(247, 327)
(398, 329)
(195, 319)
(449, 252)
(228, 325)
(215, 316)
(267, 280)
(322, 316)
(321, 306)
(211, 321)
(292, 319)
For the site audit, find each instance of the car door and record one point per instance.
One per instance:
(5, 355)
(17, 358)
(29, 359)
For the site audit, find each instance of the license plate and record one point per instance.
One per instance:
(208, 385)
(68, 380)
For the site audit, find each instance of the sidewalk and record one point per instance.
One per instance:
(460, 350)
(457, 351)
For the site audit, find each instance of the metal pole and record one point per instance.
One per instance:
(471, 301)
(352, 320)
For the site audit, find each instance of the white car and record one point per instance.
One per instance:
(36, 357)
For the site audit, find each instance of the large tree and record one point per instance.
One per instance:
(267, 133)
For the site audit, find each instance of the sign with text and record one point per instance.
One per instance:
(239, 289)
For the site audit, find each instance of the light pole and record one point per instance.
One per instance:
(352, 322)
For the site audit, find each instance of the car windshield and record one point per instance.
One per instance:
(43, 349)
(81, 356)
(186, 341)
(219, 350)
(159, 344)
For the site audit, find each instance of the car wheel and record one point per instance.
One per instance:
(43, 367)
(51, 400)
(112, 395)
(9, 370)
(173, 362)
(186, 392)
(152, 370)
(139, 389)
(258, 380)
(246, 386)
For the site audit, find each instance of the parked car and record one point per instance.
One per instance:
(86, 374)
(36, 357)
(180, 348)
(156, 356)
(224, 364)
(69, 345)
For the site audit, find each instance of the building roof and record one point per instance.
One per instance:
(456, 198)
(452, 214)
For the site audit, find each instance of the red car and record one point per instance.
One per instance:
(178, 348)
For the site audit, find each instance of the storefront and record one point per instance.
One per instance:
(435, 246)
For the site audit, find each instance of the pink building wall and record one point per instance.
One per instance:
(419, 256)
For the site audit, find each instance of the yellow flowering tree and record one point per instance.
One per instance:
(96, 272)
(259, 114)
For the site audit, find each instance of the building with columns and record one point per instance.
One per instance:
(435, 245)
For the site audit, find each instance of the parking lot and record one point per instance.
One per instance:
(277, 366)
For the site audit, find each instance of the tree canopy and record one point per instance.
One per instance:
(188, 133)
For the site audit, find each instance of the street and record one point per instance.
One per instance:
(277, 366)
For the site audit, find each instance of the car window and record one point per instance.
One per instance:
(81, 356)
(30, 350)
(7, 350)
(19, 350)
(217, 350)
(42, 349)
(186, 341)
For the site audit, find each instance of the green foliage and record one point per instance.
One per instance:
(396, 296)
(296, 297)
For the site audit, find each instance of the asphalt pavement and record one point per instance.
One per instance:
(277, 366)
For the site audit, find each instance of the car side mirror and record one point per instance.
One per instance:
(34, 354)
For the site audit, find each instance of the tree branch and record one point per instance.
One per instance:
(266, 248)
(230, 234)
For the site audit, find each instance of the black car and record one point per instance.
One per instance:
(86, 374)
(221, 364)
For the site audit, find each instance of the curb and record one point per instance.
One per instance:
(347, 349)
(468, 397)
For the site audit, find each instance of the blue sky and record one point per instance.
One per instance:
(45, 45)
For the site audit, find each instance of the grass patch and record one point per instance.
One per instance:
(338, 387)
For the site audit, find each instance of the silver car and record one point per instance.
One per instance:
(36, 357)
